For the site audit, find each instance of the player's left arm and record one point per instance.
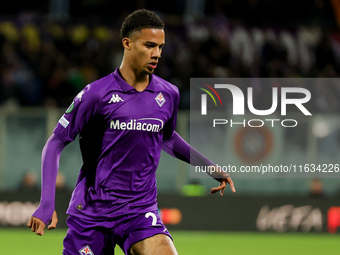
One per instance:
(224, 180)
(176, 146)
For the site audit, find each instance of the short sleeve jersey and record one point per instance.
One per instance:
(120, 134)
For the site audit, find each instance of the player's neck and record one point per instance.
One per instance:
(136, 79)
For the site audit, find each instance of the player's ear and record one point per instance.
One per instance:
(126, 43)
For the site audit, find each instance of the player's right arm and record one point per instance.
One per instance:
(84, 106)
(49, 169)
(38, 226)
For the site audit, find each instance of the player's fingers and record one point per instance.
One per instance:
(216, 189)
(54, 221)
(40, 229)
(222, 191)
(29, 223)
(231, 183)
(33, 225)
(51, 226)
(212, 191)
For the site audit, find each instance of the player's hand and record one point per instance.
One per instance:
(223, 185)
(38, 226)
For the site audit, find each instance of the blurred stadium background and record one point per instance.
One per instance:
(51, 49)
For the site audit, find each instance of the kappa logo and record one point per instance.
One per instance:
(80, 95)
(160, 99)
(115, 99)
(86, 251)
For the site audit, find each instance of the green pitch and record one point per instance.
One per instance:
(22, 241)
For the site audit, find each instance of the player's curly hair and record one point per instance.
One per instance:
(138, 20)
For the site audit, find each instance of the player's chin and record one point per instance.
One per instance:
(150, 70)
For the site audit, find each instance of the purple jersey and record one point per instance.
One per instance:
(120, 134)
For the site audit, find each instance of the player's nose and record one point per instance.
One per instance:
(156, 53)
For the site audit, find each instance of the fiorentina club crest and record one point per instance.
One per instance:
(86, 251)
(160, 99)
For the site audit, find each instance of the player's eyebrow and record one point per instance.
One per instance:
(153, 44)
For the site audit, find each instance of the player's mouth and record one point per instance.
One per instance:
(152, 65)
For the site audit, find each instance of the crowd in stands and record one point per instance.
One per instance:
(46, 62)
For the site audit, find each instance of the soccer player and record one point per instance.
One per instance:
(123, 120)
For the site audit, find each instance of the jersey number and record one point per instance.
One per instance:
(154, 218)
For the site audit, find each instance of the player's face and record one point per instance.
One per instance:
(146, 49)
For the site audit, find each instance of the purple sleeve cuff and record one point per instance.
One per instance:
(177, 147)
(49, 169)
